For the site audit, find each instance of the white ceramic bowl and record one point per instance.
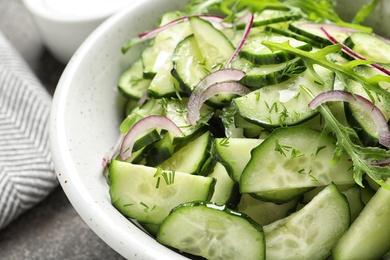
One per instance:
(85, 119)
(65, 24)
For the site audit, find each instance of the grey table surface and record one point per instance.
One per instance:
(52, 229)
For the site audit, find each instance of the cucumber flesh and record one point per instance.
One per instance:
(225, 190)
(360, 120)
(369, 235)
(370, 46)
(158, 55)
(294, 158)
(149, 194)
(264, 212)
(311, 232)
(284, 103)
(235, 153)
(213, 232)
(254, 51)
(131, 83)
(200, 151)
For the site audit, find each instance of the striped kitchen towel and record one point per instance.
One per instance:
(26, 171)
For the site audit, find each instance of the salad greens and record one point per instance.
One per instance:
(314, 10)
(247, 119)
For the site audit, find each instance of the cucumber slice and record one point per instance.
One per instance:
(311, 232)
(188, 64)
(265, 75)
(285, 103)
(291, 34)
(164, 84)
(369, 235)
(371, 46)
(198, 55)
(213, 232)
(280, 196)
(200, 150)
(362, 123)
(264, 212)
(315, 33)
(131, 83)
(148, 194)
(225, 190)
(294, 158)
(355, 201)
(254, 51)
(161, 151)
(215, 47)
(235, 153)
(158, 55)
(176, 110)
(150, 107)
(270, 16)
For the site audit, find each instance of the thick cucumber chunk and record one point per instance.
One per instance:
(285, 103)
(150, 107)
(192, 157)
(176, 110)
(235, 153)
(215, 47)
(148, 194)
(311, 232)
(369, 235)
(225, 190)
(294, 158)
(264, 212)
(188, 63)
(158, 56)
(207, 50)
(213, 232)
(164, 84)
(131, 83)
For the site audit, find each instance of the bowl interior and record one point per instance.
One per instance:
(86, 114)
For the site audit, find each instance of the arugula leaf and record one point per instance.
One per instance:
(324, 11)
(344, 72)
(361, 156)
(202, 6)
(317, 10)
(365, 11)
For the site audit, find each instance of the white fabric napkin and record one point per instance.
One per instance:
(26, 171)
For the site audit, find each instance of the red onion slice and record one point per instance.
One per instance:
(141, 127)
(327, 26)
(381, 163)
(248, 20)
(109, 155)
(218, 76)
(352, 53)
(366, 105)
(229, 87)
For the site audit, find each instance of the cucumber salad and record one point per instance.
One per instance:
(257, 130)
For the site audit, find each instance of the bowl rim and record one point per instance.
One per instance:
(78, 195)
(37, 8)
